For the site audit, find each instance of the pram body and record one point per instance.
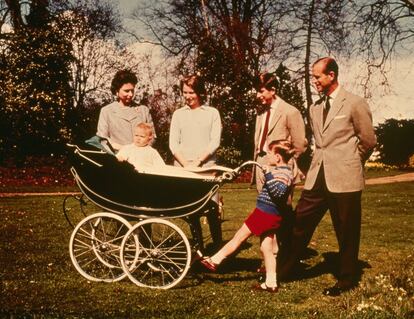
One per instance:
(150, 192)
(153, 252)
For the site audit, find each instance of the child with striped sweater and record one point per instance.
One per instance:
(266, 217)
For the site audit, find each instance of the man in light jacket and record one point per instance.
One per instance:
(344, 139)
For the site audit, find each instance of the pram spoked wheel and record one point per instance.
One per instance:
(95, 247)
(162, 257)
(75, 208)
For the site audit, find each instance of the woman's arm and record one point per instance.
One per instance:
(215, 137)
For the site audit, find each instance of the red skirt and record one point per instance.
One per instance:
(260, 222)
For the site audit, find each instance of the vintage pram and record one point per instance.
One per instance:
(134, 235)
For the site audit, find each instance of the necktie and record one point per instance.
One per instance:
(264, 132)
(326, 108)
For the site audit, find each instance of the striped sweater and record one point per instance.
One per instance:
(276, 189)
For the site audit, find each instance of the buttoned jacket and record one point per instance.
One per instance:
(117, 124)
(342, 143)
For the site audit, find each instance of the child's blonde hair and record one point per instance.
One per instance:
(145, 126)
(282, 147)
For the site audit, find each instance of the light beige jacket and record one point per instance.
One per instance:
(342, 144)
(117, 124)
(286, 123)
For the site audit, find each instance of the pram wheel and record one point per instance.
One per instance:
(76, 207)
(162, 257)
(95, 247)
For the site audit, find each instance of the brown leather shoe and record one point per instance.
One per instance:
(338, 289)
(265, 288)
(206, 262)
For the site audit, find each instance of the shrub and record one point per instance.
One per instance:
(229, 156)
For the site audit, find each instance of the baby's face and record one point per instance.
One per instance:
(142, 137)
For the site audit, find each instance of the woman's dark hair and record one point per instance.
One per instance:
(122, 77)
(197, 84)
(267, 81)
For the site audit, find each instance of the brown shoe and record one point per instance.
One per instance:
(206, 262)
(264, 287)
(338, 289)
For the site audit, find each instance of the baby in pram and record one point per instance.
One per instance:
(146, 159)
(140, 153)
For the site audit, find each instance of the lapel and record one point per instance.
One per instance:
(335, 108)
(317, 115)
(258, 127)
(276, 116)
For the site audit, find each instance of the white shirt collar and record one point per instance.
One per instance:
(334, 94)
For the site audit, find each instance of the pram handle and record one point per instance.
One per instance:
(238, 169)
(230, 175)
(77, 148)
(79, 152)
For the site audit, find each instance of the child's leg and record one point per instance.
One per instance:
(241, 235)
(275, 247)
(268, 247)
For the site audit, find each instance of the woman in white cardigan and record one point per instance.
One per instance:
(195, 134)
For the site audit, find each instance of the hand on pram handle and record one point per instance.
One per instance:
(227, 174)
(230, 175)
(248, 163)
(266, 169)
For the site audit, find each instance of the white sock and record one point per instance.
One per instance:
(217, 258)
(271, 281)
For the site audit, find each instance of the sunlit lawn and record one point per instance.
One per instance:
(38, 279)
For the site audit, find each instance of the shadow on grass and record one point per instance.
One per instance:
(231, 267)
(229, 270)
(330, 265)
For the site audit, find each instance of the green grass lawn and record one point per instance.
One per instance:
(38, 279)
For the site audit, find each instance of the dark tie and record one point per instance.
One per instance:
(326, 108)
(265, 129)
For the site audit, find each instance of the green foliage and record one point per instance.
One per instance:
(36, 96)
(49, 67)
(289, 90)
(229, 78)
(229, 156)
(395, 141)
(161, 107)
(231, 90)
